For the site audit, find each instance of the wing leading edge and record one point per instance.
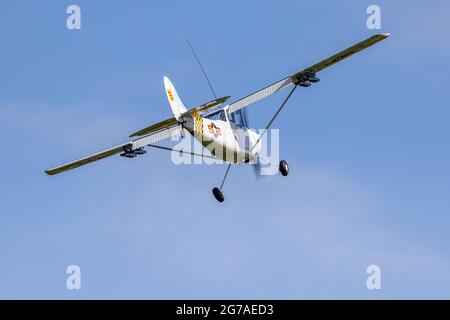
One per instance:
(292, 79)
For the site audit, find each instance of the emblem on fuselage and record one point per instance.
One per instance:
(215, 130)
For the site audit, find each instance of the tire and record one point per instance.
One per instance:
(218, 194)
(284, 168)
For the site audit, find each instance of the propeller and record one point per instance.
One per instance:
(261, 168)
(257, 170)
(258, 166)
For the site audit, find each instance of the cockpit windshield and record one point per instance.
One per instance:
(219, 115)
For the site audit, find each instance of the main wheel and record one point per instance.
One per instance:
(218, 194)
(284, 168)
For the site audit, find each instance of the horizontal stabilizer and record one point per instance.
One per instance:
(168, 123)
(207, 106)
(171, 122)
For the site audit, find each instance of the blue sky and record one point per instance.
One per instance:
(368, 149)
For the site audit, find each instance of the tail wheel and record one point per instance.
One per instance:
(218, 194)
(284, 168)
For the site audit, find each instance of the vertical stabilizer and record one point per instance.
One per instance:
(175, 102)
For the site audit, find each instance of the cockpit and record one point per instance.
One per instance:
(237, 118)
(218, 115)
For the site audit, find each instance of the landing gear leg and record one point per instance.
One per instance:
(217, 192)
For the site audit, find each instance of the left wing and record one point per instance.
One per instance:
(149, 135)
(306, 74)
(125, 148)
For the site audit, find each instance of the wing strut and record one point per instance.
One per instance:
(225, 176)
(274, 117)
(181, 151)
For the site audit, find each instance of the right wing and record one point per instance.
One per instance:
(293, 79)
(89, 159)
(149, 135)
(123, 148)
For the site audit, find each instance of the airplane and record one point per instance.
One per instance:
(222, 130)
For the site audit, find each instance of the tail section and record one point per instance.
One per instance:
(175, 102)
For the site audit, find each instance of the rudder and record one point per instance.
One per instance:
(175, 102)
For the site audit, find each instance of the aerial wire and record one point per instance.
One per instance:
(203, 69)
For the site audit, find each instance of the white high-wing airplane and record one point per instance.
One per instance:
(216, 127)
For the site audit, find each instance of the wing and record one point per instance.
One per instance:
(89, 159)
(124, 149)
(295, 78)
(155, 137)
(149, 135)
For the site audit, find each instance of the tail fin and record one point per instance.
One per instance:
(175, 102)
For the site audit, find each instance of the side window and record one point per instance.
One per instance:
(231, 117)
(238, 119)
(223, 116)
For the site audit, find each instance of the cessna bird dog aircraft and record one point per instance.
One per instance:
(219, 127)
